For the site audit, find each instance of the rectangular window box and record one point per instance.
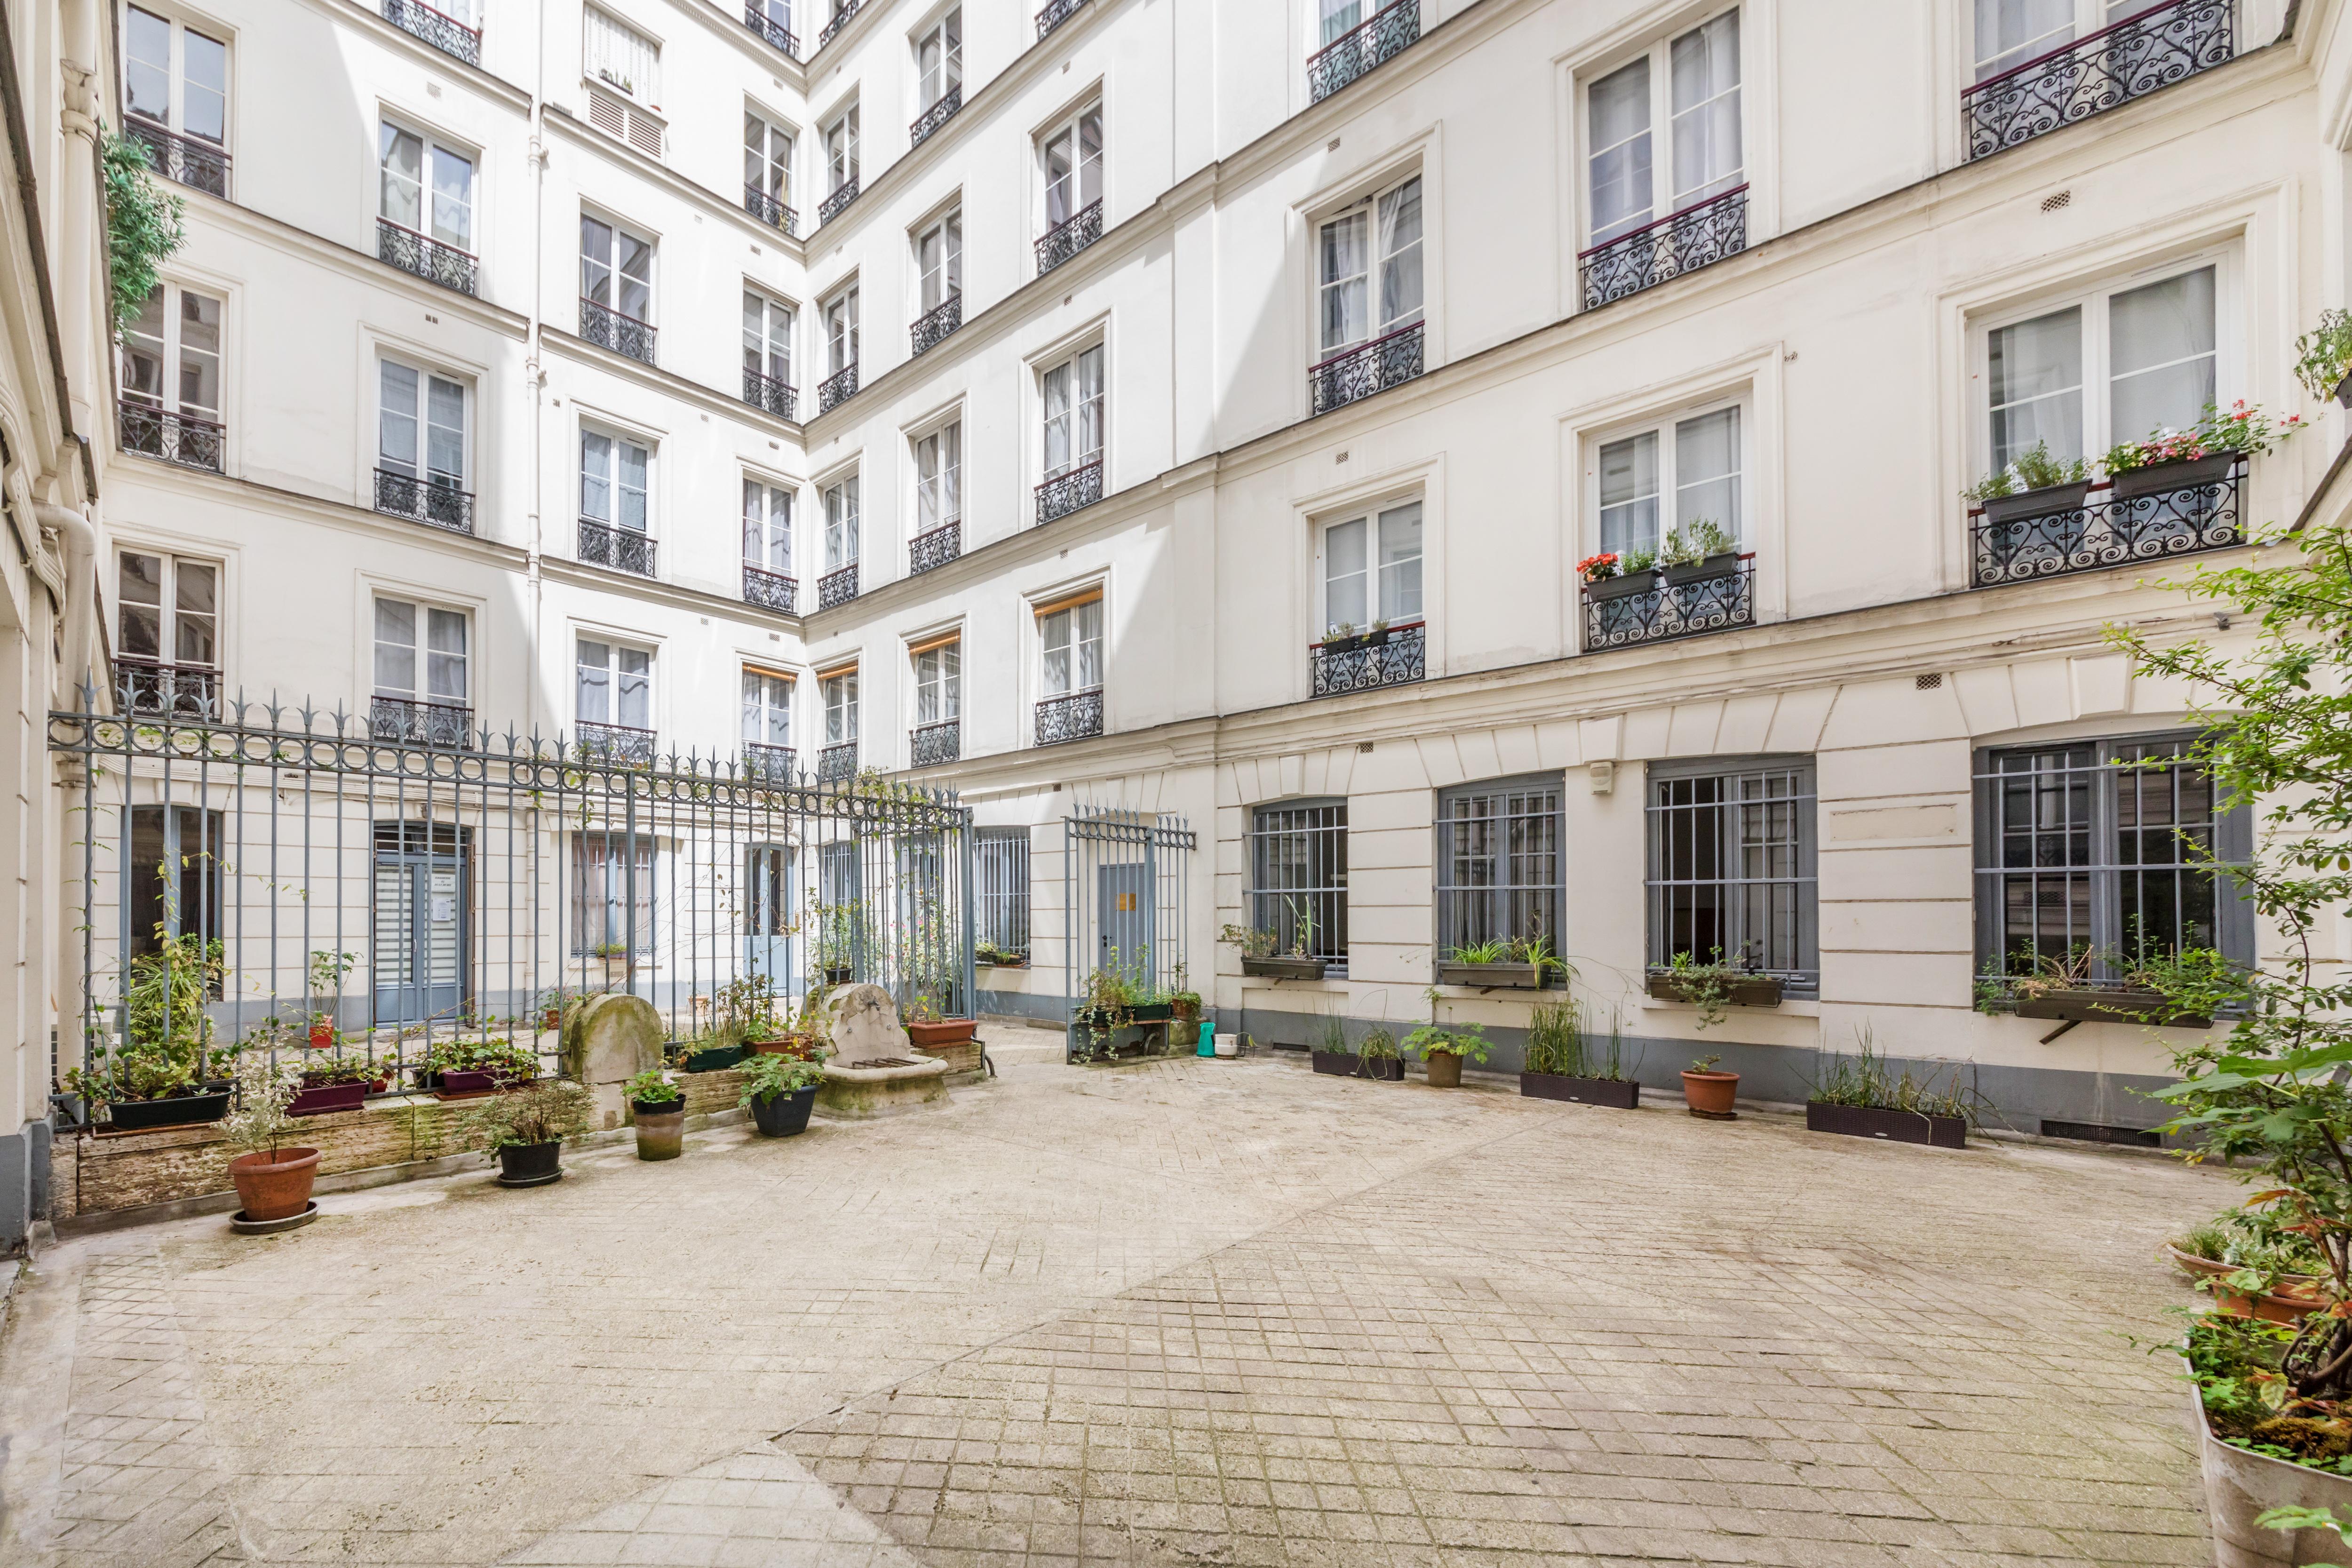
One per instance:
(1491, 976)
(1284, 968)
(1618, 1093)
(2051, 500)
(1599, 590)
(1746, 991)
(2110, 1007)
(2159, 478)
(1894, 1126)
(1714, 566)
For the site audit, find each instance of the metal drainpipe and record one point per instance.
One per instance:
(535, 373)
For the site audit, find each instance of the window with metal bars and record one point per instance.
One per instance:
(1000, 893)
(2097, 851)
(1499, 868)
(1298, 878)
(1731, 865)
(611, 893)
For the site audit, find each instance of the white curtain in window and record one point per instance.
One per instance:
(1341, 17)
(620, 55)
(767, 159)
(841, 150)
(767, 709)
(2034, 375)
(1072, 639)
(1073, 168)
(939, 255)
(939, 59)
(2010, 31)
(397, 652)
(1629, 495)
(768, 527)
(841, 529)
(612, 475)
(1619, 165)
(2160, 351)
(1345, 281)
(1400, 256)
(442, 415)
(1707, 471)
(1346, 576)
(1399, 565)
(841, 332)
(616, 270)
(767, 338)
(1074, 413)
(840, 709)
(939, 464)
(938, 684)
(1706, 70)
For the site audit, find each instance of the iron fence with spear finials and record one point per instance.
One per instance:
(339, 886)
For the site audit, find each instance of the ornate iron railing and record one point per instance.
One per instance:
(937, 115)
(1066, 493)
(770, 211)
(1678, 243)
(430, 501)
(831, 207)
(415, 724)
(934, 326)
(198, 164)
(1383, 362)
(771, 590)
(1399, 658)
(775, 32)
(620, 548)
(176, 437)
(2108, 529)
(1388, 32)
(934, 547)
(623, 745)
(2129, 59)
(769, 764)
(837, 587)
(425, 257)
(149, 688)
(1071, 718)
(840, 20)
(1055, 13)
(608, 328)
(1065, 240)
(779, 398)
(837, 763)
(446, 34)
(837, 388)
(1668, 610)
(935, 745)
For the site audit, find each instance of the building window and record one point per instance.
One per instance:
(1000, 870)
(1298, 878)
(2110, 367)
(841, 150)
(767, 168)
(421, 688)
(938, 683)
(614, 474)
(1070, 636)
(621, 57)
(1691, 85)
(1731, 865)
(768, 355)
(1371, 569)
(611, 893)
(938, 57)
(421, 425)
(2010, 31)
(841, 332)
(1671, 479)
(767, 709)
(1370, 270)
(172, 353)
(939, 261)
(169, 610)
(840, 707)
(616, 270)
(2089, 858)
(174, 76)
(1074, 413)
(766, 527)
(426, 186)
(841, 530)
(1499, 868)
(939, 474)
(1072, 157)
(616, 685)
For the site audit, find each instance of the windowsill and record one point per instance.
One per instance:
(1790, 1006)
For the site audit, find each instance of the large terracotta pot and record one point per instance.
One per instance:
(275, 1187)
(1709, 1093)
(1444, 1071)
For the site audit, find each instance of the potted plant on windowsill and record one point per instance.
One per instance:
(2323, 358)
(2065, 988)
(1709, 1092)
(1696, 552)
(990, 956)
(338, 1083)
(1343, 638)
(1610, 576)
(1262, 954)
(2168, 460)
(1568, 1061)
(658, 1107)
(525, 1132)
(778, 1091)
(1713, 986)
(1501, 962)
(2033, 484)
(617, 962)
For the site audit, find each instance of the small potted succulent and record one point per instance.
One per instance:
(1443, 1048)
(1609, 575)
(778, 1091)
(525, 1132)
(1709, 1091)
(2033, 484)
(273, 1176)
(658, 1108)
(1698, 550)
(2323, 358)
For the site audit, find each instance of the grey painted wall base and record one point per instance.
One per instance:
(1023, 1004)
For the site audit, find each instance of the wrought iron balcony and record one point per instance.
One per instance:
(425, 257)
(775, 32)
(831, 207)
(937, 115)
(1625, 613)
(766, 391)
(837, 587)
(1066, 493)
(176, 437)
(608, 328)
(934, 326)
(446, 34)
(840, 20)
(621, 743)
(1389, 31)
(2143, 515)
(769, 764)
(837, 388)
(152, 689)
(2147, 50)
(189, 161)
(1678, 243)
(934, 547)
(934, 745)
(433, 501)
(1376, 366)
(1055, 13)
(838, 763)
(770, 211)
(1396, 656)
(771, 590)
(413, 723)
(1071, 718)
(1065, 240)
(620, 549)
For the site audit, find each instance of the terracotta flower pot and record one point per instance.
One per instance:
(275, 1187)
(1444, 1071)
(1709, 1093)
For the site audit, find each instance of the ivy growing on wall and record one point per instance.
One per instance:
(143, 226)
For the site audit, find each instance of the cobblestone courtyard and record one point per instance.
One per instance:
(1193, 1313)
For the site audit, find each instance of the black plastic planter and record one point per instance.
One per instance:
(784, 1115)
(717, 1059)
(1283, 968)
(2047, 502)
(1491, 976)
(530, 1164)
(1722, 565)
(1893, 1126)
(1384, 1070)
(1337, 1064)
(1620, 586)
(180, 1110)
(2148, 1007)
(2188, 474)
(1620, 1093)
(1740, 991)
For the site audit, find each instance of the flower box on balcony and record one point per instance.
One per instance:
(1746, 991)
(1492, 977)
(2042, 502)
(1620, 586)
(1360, 639)
(2119, 1006)
(1283, 968)
(1722, 565)
(2187, 473)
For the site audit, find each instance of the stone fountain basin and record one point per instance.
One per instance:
(856, 1091)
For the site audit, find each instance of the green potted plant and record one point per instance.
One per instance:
(2065, 987)
(1377, 1056)
(779, 1092)
(1343, 638)
(1501, 964)
(2323, 358)
(1264, 954)
(1698, 550)
(2168, 461)
(2033, 484)
(1709, 1091)
(1567, 1060)
(273, 1176)
(1861, 1097)
(327, 970)
(991, 955)
(338, 1083)
(1609, 575)
(928, 1030)
(1333, 1057)
(525, 1132)
(1443, 1048)
(658, 1107)
(157, 1077)
(1713, 986)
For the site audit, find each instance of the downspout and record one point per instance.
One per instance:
(535, 374)
(79, 537)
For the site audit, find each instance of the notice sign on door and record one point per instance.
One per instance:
(1126, 903)
(444, 898)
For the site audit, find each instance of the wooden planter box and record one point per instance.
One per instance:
(1619, 1093)
(1894, 1126)
(1491, 976)
(1746, 991)
(1283, 968)
(2110, 1007)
